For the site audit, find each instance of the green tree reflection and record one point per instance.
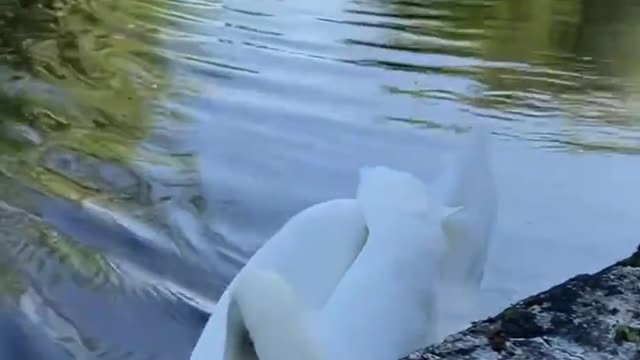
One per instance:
(83, 75)
(543, 57)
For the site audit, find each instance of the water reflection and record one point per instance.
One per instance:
(83, 83)
(562, 65)
(73, 81)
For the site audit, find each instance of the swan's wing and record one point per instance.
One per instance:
(238, 344)
(211, 344)
(469, 179)
(311, 252)
(469, 183)
(316, 247)
(275, 318)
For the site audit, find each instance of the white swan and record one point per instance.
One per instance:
(311, 252)
(383, 307)
(315, 248)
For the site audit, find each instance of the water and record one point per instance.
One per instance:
(147, 148)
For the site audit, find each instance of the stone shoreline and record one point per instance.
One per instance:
(594, 316)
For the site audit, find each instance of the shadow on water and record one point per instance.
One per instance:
(104, 248)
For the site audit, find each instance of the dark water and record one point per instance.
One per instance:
(148, 147)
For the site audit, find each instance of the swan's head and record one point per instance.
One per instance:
(266, 321)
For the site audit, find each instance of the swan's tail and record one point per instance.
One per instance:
(470, 184)
(266, 306)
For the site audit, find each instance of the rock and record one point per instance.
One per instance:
(587, 317)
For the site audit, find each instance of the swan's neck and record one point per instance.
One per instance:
(266, 322)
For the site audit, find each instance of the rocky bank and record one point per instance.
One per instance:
(588, 317)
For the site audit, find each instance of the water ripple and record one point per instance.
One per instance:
(118, 94)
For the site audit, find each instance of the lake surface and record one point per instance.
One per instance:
(147, 148)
